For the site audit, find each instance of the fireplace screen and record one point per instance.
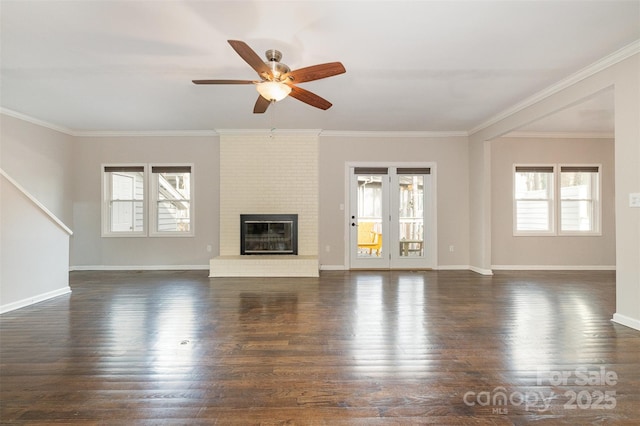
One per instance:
(269, 234)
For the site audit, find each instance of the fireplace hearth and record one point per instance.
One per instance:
(268, 234)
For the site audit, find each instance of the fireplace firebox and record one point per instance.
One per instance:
(268, 234)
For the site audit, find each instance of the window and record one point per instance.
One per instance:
(171, 200)
(579, 199)
(576, 210)
(129, 208)
(533, 187)
(123, 196)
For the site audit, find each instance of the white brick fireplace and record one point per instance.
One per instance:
(265, 172)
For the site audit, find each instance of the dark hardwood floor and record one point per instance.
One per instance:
(353, 348)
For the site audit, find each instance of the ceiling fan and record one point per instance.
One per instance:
(277, 81)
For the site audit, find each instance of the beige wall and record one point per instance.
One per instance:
(34, 251)
(450, 156)
(41, 161)
(549, 251)
(89, 249)
(269, 173)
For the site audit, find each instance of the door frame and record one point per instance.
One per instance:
(430, 213)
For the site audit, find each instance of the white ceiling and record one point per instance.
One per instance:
(411, 65)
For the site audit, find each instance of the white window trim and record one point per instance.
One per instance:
(106, 195)
(556, 204)
(153, 192)
(552, 216)
(597, 208)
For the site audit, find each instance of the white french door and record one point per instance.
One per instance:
(391, 217)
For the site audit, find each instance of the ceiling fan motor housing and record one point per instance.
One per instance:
(273, 62)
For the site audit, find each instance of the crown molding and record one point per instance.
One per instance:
(143, 133)
(313, 132)
(392, 134)
(105, 133)
(36, 121)
(609, 60)
(560, 135)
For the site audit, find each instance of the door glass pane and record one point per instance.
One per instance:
(411, 215)
(369, 193)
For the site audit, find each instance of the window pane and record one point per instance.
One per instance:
(173, 216)
(127, 186)
(124, 199)
(577, 215)
(533, 199)
(532, 215)
(172, 198)
(579, 193)
(126, 216)
(576, 186)
(174, 186)
(533, 185)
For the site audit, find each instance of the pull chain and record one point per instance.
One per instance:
(271, 119)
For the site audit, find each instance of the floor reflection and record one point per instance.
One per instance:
(532, 327)
(545, 323)
(411, 323)
(162, 331)
(176, 335)
(390, 323)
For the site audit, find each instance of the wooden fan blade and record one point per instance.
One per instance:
(310, 98)
(316, 72)
(261, 105)
(251, 58)
(223, 82)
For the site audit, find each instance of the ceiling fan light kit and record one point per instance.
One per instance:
(277, 81)
(273, 91)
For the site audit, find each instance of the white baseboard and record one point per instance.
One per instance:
(35, 299)
(627, 321)
(452, 267)
(139, 268)
(553, 267)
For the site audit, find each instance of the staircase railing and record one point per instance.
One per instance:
(35, 201)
